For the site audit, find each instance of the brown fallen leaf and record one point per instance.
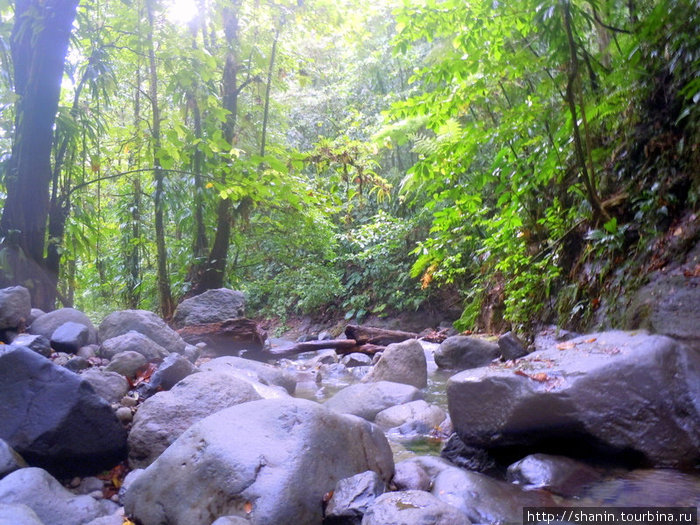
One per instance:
(565, 346)
(540, 376)
(248, 507)
(591, 340)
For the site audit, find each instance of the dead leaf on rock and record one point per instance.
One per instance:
(540, 376)
(591, 340)
(565, 346)
(248, 507)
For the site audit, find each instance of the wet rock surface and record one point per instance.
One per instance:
(270, 460)
(629, 395)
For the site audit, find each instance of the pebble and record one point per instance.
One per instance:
(124, 414)
(128, 401)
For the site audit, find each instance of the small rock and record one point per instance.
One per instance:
(88, 484)
(173, 369)
(409, 475)
(51, 502)
(511, 347)
(414, 412)
(37, 343)
(128, 364)
(468, 457)
(124, 414)
(133, 341)
(87, 351)
(412, 507)
(557, 474)
(69, 337)
(110, 386)
(353, 496)
(129, 401)
(76, 364)
(9, 459)
(325, 357)
(356, 359)
(401, 363)
(366, 400)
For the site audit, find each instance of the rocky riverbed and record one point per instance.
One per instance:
(129, 423)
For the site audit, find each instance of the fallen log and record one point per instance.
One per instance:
(341, 346)
(377, 336)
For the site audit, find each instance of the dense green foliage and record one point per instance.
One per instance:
(372, 159)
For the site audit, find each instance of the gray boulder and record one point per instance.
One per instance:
(461, 352)
(15, 307)
(511, 347)
(128, 364)
(110, 386)
(161, 419)
(69, 337)
(38, 343)
(211, 306)
(260, 372)
(144, 322)
(18, 514)
(9, 460)
(629, 395)
(483, 499)
(271, 461)
(53, 418)
(401, 363)
(352, 497)
(133, 341)
(366, 400)
(53, 504)
(414, 412)
(412, 507)
(556, 474)
(47, 324)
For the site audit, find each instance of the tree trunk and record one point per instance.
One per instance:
(38, 44)
(377, 336)
(212, 273)
(164, 294)
(588, 176)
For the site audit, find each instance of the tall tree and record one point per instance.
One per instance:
(39, 44)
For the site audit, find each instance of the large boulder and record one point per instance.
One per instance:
(144, 322)
(47, 324)
(161, 419)
(260, 372)
(366, 400)
(271, 461)
(401, 363)
(38, 343)
(239, 336)
(133, 341)
(211, 306)
(52, 503)
(412, 507)
(15, 307)
(461, 352)
(632, 396)
(483, 499)
(53, 418)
